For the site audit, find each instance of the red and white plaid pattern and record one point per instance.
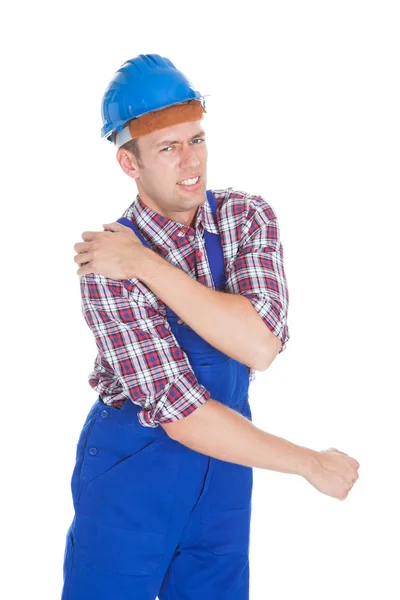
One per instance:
(138, 356)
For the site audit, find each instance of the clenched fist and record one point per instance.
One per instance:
(334, 473)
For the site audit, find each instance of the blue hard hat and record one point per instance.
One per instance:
(143, 84)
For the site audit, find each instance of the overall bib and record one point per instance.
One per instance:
(152, 517)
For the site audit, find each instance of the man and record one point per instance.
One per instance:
(186, 295)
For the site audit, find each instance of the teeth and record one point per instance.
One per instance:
(189, 181)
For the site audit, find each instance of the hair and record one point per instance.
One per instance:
(133, 147)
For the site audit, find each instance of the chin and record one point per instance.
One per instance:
(195, 196)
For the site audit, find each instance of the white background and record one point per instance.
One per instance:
(304, 110)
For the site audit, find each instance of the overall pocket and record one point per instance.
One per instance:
(80, 453)
(124, 510)
(117, 550)
(226, 511)
(227, 532)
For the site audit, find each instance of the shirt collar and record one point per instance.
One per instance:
(164, 232)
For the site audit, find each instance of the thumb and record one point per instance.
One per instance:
(335, 450)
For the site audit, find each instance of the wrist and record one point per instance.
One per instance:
(308, 462)
(140, 268)
(152, 267)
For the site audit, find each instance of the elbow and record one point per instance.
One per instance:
(173, 430)
(267, 354)
(178, 430)
(185, 430)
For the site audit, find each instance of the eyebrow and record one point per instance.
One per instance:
(170, 142)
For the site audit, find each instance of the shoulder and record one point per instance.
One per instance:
(93, 285)
(99, 288)
(242, 215)
(239, 204)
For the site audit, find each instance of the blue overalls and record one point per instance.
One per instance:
(153, 517)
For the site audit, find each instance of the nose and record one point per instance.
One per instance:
(189, 158)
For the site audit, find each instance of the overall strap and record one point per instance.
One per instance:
(129, 223)
(214, 248)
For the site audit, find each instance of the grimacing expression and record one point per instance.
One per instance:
(172, 173)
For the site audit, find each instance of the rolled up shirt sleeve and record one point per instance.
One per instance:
(257, 271)
(138, 356)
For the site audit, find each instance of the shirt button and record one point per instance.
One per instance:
(181, 234)
(180, 321)
(92, 451)
(199, 254)
(104, 414)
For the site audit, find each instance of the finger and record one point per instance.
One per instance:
(84, 257)
(338, 451)
(88, 236)
(114, 226)
(85, 270)
(82, 247)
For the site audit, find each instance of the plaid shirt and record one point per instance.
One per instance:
(138, 355)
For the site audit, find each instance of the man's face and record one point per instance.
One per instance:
(169, 157)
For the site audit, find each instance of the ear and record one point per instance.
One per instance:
(128, 163)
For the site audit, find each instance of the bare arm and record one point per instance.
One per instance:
(249, 322)
(219, 431)
(227, 321)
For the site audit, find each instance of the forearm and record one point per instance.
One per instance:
(218, 431)
(228, 322)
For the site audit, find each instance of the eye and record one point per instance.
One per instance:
(198, 140)
(166, 149)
